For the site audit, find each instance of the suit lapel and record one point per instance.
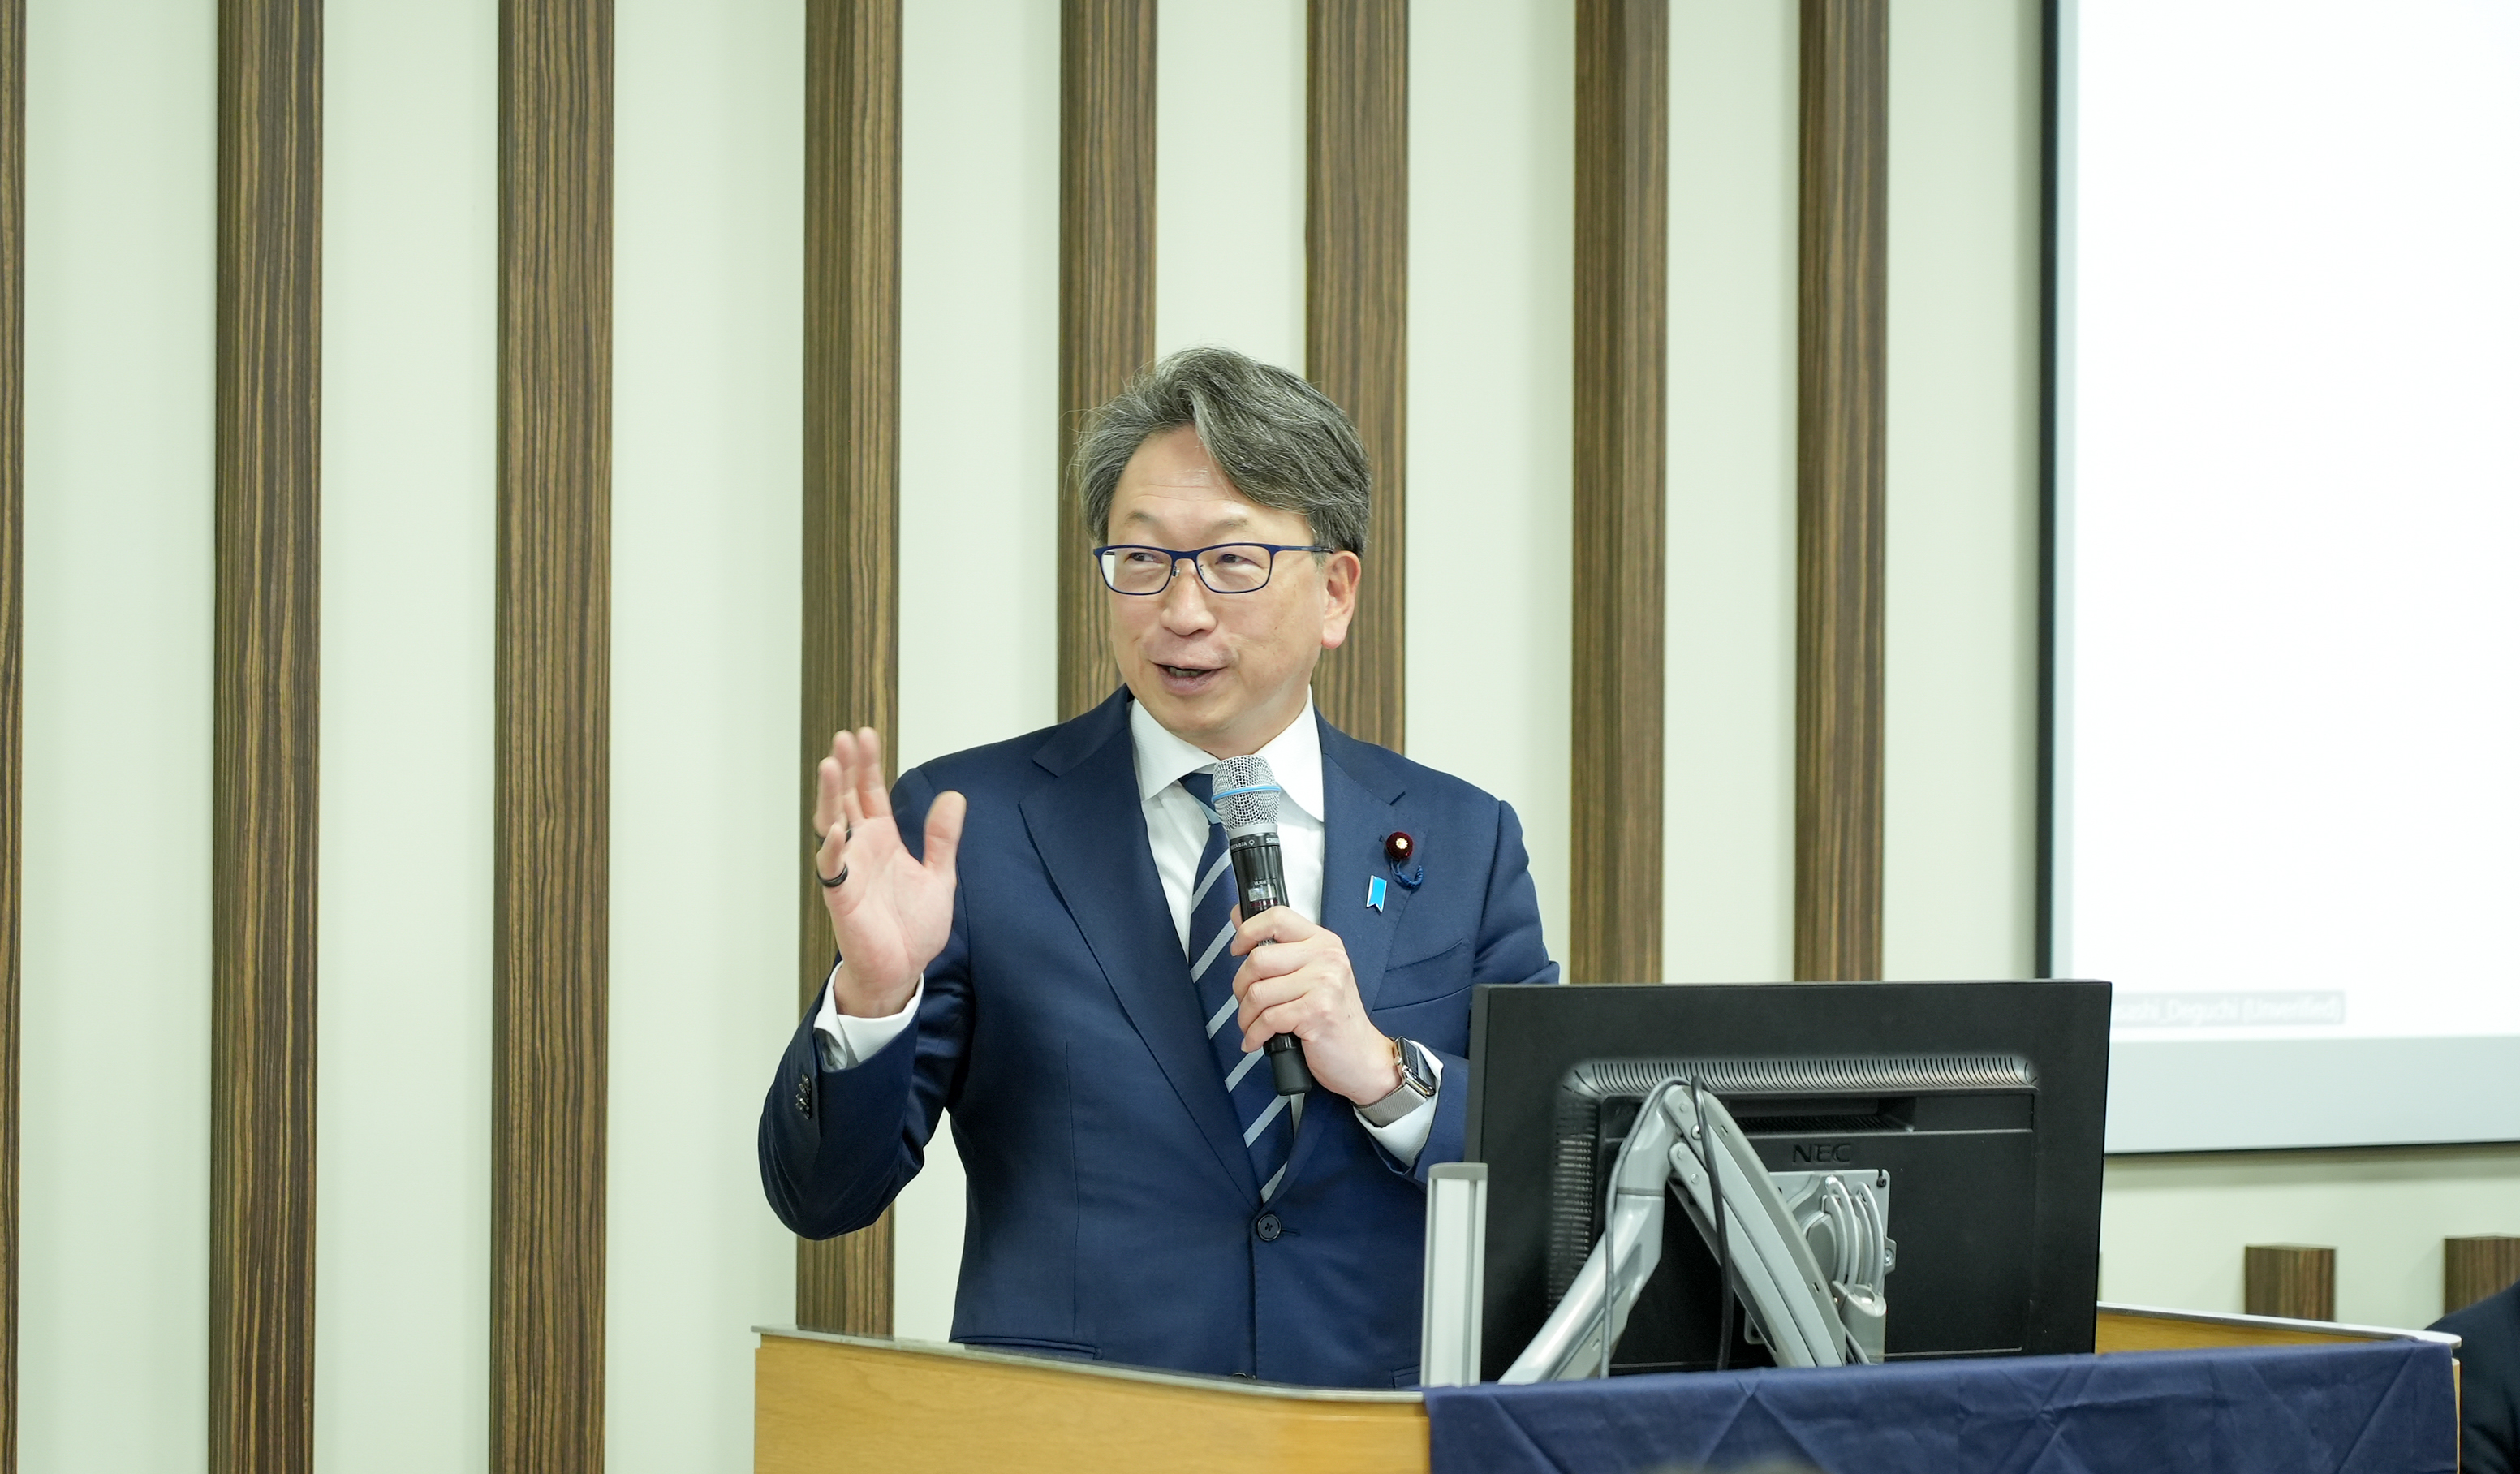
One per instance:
(1353, 832)
(1090, 833)
(1361, 797)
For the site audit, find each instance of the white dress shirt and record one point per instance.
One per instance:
(1176, 836)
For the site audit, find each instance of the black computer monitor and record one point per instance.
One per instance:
(1983, 1102)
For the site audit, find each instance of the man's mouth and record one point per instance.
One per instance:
(1186, 680)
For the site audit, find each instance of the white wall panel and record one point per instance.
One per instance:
(1229, 177)
(1491, 304)
(403, 1066)
(979, 409)
(1728, 660)
(707, 446)
(2173, 1228)
(1489, 409)
(1963, 444)
(113, 1326)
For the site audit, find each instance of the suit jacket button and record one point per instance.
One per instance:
(1268, 1228)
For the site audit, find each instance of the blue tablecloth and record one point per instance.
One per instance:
(2373, 1407)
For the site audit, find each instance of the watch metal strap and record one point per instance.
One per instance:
(1406, 1096)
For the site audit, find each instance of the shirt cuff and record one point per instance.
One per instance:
(846, 1042)
(1407, 1136)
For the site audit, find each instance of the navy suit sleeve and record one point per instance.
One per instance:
(836, 1146)
(1509, 949)
(2489, 1382)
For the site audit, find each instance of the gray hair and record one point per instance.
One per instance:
(1276, 438)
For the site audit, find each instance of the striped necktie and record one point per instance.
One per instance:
(1267, 1126)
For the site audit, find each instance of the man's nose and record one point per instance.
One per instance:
(1186, 606)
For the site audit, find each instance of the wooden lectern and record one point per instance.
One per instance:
(825, 1402)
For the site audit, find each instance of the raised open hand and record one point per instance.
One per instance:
(890, 911)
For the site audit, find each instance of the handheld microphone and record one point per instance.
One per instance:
(1245, 795)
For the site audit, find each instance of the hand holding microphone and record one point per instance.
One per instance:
(1247, 797)
(1298, 993)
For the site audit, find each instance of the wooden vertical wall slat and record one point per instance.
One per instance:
(1356, 322)
(2297, 1282)
(2473, 1268)
(12, 607)
(1838, 666)
(1622, 161)
(852, 534)
(264, 764)
(553, 739)
(1107, 285)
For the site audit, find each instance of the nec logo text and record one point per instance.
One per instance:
(1825, 1152)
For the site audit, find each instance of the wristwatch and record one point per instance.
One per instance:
(1416, 1084)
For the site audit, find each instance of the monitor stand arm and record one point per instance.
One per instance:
(1809, 1316)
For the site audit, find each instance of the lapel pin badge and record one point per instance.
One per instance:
(1373, 892)
(1402, 850)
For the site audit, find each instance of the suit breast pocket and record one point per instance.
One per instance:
(1428, 999)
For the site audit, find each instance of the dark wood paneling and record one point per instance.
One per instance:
(2474, 1267)
(1622, 166)
(555, 480)
(263, 768)
(852, 534)
(13, 606)
(1356, 323)
(2293, 1280)
(1106, 286)
(1838, 674)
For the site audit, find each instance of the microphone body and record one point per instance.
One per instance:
(1247, 796)
(1260, 880)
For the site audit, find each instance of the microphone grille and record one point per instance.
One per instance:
(1246, 795)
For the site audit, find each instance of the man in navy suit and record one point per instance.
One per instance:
(1033, 939)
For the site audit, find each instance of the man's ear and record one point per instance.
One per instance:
(1341, 572)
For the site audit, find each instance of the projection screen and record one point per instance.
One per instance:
(2286, 730)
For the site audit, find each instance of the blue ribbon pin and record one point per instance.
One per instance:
(1373, 889)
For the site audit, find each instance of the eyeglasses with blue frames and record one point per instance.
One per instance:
(1226, 567)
